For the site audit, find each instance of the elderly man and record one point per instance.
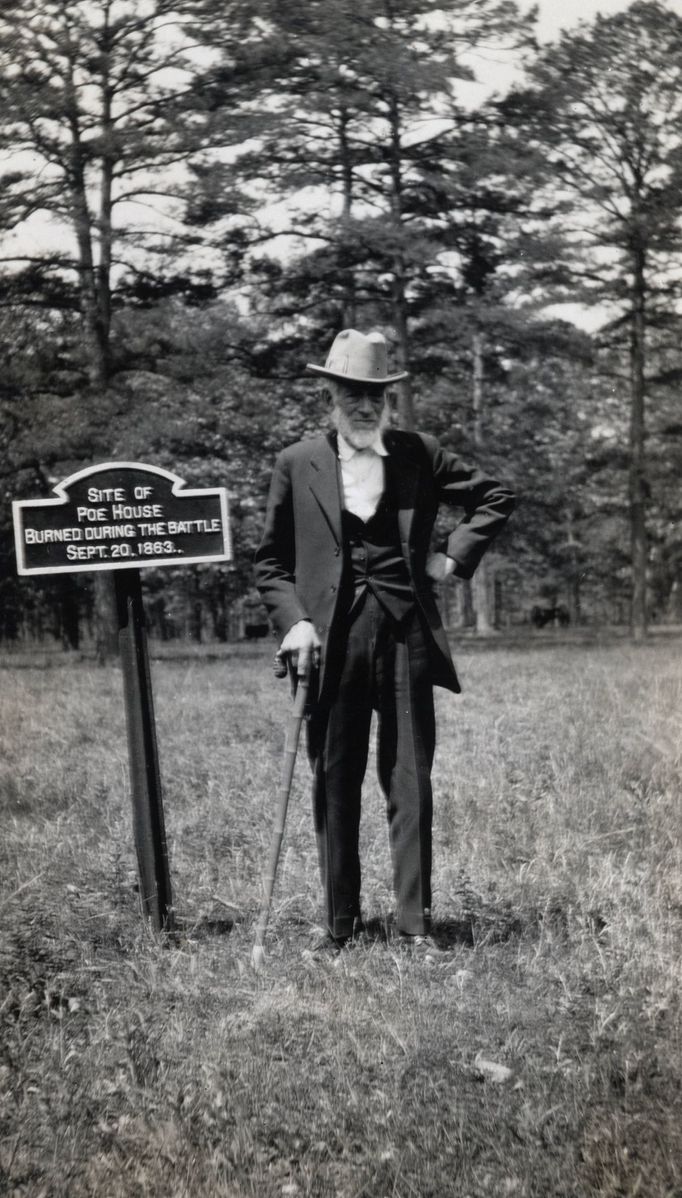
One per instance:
(346, 570)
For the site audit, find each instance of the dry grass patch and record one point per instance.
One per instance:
(543, 1059)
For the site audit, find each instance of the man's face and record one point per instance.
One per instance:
(359, 411)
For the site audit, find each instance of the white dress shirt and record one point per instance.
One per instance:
(362, 474)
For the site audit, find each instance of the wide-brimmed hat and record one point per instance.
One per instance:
(358, 358)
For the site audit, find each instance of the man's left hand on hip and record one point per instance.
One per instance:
(439, 566)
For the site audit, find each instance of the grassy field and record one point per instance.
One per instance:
(544, 1058)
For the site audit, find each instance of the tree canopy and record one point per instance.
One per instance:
(196, 197)
(605, 106)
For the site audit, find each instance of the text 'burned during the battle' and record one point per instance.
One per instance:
(135, 515)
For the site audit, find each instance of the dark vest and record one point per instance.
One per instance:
(374, 559)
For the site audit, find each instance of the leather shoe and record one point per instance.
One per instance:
(330, 946)
(422, 947)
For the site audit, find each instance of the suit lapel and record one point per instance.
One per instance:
(404, 481)
(325, 484)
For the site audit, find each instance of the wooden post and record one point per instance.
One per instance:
(145, 779)
(146, 517)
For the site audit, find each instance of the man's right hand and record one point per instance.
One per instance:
(302, 646)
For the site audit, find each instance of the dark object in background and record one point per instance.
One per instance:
(557, 616)
(255, 616)
(252, 631)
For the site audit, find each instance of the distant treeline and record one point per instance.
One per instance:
(195, 606)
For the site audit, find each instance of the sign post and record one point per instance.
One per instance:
(125, 516)
(145, 780)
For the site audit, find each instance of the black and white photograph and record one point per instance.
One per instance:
(341, 599)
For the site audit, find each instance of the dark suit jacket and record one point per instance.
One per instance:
(299, 561)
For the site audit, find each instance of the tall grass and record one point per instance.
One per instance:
(544, 1058)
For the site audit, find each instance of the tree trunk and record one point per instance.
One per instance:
(480, 596)
(637, 475)
(98, 349)
(347, 271)
(196, 608)
(480, 589)
(104, 617)
(450, 603)
(499, 615)
(98, 364)
(468, 615)
(574, 594)
(674, 610)
(94, 286)
(103, 276)
(405, 404)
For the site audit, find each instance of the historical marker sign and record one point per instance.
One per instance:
(121, 515)
(124, 516)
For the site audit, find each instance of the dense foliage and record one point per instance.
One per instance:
(196, 197)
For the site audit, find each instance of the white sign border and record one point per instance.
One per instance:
(61, 490)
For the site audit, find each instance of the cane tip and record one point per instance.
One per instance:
(258, 956)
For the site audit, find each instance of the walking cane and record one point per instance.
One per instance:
(290, 747)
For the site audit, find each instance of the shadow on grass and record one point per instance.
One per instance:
(204, 928)
(466, 931)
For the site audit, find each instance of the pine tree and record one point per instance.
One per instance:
(605, 105)
(104, 107)
(354, 127)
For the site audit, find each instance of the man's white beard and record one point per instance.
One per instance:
(359, 438)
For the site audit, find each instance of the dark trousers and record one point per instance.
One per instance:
(382, 666)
